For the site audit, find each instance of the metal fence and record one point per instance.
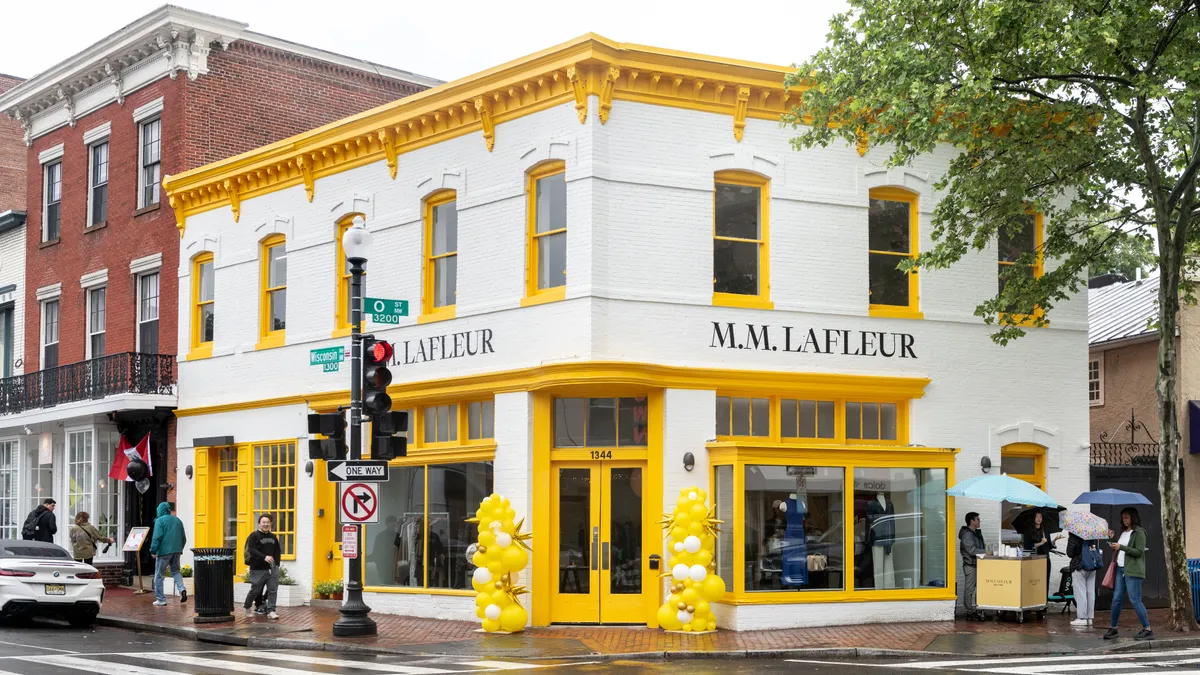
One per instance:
(123, 373)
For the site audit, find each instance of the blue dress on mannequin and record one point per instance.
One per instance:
(795, 553)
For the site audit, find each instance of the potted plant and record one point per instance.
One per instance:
(336, 588)
(322, 589)
(169, 581)
(186, 571)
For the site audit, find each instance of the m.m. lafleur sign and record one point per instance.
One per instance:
(768, 338)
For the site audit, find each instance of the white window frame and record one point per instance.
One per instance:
(1098, 359)
(89, 329)
(91, 190)
(141, 173)
(57, 330)
(139, 279)
(46, 198)
(99, 473)
(13, 495)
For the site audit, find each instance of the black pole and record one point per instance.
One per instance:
(355, 620)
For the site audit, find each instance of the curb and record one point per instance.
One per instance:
(834, 653)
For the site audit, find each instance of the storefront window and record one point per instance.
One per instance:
(900, 527)
(723, 503)
(275, 490)
(79, 486)
(108, 492)
(441, 423)
(481, 420)
(738, 416)
(11, 517)
(600, 422)
(871, 421)
(421, 539)
(806, 419)
(793, 528)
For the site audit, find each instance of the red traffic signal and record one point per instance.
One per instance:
(375, 375)
(377, 351)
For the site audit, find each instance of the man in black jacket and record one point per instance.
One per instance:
(40, 524)
(262, 557)
(970, 545)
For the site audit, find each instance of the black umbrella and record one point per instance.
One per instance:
(1024, 520)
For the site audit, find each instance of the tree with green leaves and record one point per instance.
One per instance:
(1068, 108)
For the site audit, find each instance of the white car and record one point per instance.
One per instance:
(40, 579)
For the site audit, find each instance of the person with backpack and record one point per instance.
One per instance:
(261, 554)
(1086, 559)
(84, 537)
(165, 547)
(40, 524)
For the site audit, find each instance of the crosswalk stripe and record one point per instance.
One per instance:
(984, 663)
(502, 665)
(343, 663)
(1052, 668)
(91, 666)
(238, 666)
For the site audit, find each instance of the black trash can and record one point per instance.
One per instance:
(214, 584)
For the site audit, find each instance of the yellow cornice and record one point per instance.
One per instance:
(607, 375)
(573, 71)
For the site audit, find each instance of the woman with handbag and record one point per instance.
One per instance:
(1086, 559)
(1129, 571)
(84, 537)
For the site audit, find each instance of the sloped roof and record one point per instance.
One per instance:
(1122, 311)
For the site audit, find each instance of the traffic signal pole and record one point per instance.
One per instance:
(355, 620)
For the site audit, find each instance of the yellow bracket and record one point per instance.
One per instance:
(484, 108)
(388, 141)
(579, 85)
(180, 218)
(739, 112)
(306, 170)
(606, 92)
(235, 198)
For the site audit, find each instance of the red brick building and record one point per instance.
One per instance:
(173, 90)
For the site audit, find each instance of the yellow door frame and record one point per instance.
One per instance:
(327, 547)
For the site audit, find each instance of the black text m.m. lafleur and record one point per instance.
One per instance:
(765, 337)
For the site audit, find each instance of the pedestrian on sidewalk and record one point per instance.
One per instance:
(40, 524)
(165, 547)
(1036, 540)
(84, 538)
(1086, 559)
(971, 545)
(262, 557)
(1130, 550)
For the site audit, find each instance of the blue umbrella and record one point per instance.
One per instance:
(1000, 489)
(1112, 497)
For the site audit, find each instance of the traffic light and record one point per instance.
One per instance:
(376, 376)
(333, 427)
(386, 441)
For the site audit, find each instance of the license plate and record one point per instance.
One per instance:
(56, 589)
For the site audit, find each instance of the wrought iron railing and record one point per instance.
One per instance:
(1124, 454)
(124, 373)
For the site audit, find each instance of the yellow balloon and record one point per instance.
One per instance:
(696, 529)
(501, 599)
(712, 624)
(514, 558)
(687, 627)
(690, 596)
(495, 567)
(487, 538)
(494, 554)
(699, 624)
(699, 512)
(702, 608)
(672, 561)
(667, 619)
(491, 626)
(513, 618)
(479, 559)
(712, 588)
(479, 612)
(682, 519)
(678, 533)
(704, 558)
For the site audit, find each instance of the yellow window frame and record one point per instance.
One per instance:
(533, 294)
(274, 471)
(839, 419)
(913, 309)
(1037, 452)
(341, 272)
(581, 452)
(429, 313)
(761, 300)
(739, 454)
(1038, 267)
(268, 338)
(200, 350)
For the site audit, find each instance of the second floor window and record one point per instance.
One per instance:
(96, 320)
(150, 155)
(204, 315)
(147, 335)
(739, 238)
(274, 299)
(743, 416)
(98, 188)
(52, 214)
(1020, 249)
(441, 252)
(548, 228)
(891, 232)
(50, 335)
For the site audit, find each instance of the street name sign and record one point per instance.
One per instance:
(328, 358)
(349, 541)
(353, 470)
(383, 310)
(360, 503)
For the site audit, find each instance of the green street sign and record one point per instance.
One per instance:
(383, 310)
(328, 358)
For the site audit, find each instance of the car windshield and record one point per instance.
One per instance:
(19, 551)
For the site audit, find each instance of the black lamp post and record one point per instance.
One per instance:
(356, 242)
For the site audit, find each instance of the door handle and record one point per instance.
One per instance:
(595, 548)
(604, 557)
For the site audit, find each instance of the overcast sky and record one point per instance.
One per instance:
(445, 40)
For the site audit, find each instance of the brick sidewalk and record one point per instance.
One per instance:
(409, 634)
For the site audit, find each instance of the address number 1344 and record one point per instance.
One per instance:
(601, 454)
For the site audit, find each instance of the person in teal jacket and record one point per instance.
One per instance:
(166, 547)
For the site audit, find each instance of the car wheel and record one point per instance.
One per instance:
(82, 620)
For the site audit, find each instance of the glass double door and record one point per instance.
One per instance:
(597, 516)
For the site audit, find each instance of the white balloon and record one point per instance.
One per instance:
(692, 543)
(503, 539)
(680, 572)
(492, 612)
(496, 525)
(679, 547)
(697, 573)
(482, 575)
(693, 496)
(684, 616)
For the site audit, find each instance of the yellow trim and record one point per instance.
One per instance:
(533, 294)
(585, 374)
(839, 401)
(341, 273)
(762, 299)
(268, 338)
(1037, 452)
(254, 466)
(342, 332)
(478, 103)
(411, 590)
(201, 350)
(913, 309)
(429, 313)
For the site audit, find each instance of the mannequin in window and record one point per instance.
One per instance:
(881, 531)
(795, 552)
(409, 550)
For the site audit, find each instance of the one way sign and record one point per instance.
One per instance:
(348, 471)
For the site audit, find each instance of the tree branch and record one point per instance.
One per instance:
(1066, 77)
(1188, 177)
(1167, 38)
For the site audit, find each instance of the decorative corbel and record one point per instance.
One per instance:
(388, 140)
(235, 198)
(26, 125)
(306, 170)
(117, 81)
(579, 85)
(484, 108)
(739, 112)
(606, 92)
(180, 219)
(68, 104)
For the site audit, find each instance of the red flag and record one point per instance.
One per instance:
(125, 452)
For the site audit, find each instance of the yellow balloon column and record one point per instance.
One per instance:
(499, 557)
(691, 540)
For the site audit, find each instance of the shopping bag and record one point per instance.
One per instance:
(1110, 577)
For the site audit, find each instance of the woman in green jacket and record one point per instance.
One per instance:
(1130, 550)
(84, 537)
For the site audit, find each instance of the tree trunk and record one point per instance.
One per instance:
(1169, 472)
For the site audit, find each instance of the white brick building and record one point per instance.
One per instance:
(656, 365)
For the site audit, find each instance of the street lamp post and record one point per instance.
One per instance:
(356, 242)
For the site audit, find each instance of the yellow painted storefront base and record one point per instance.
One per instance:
(1011, 583)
